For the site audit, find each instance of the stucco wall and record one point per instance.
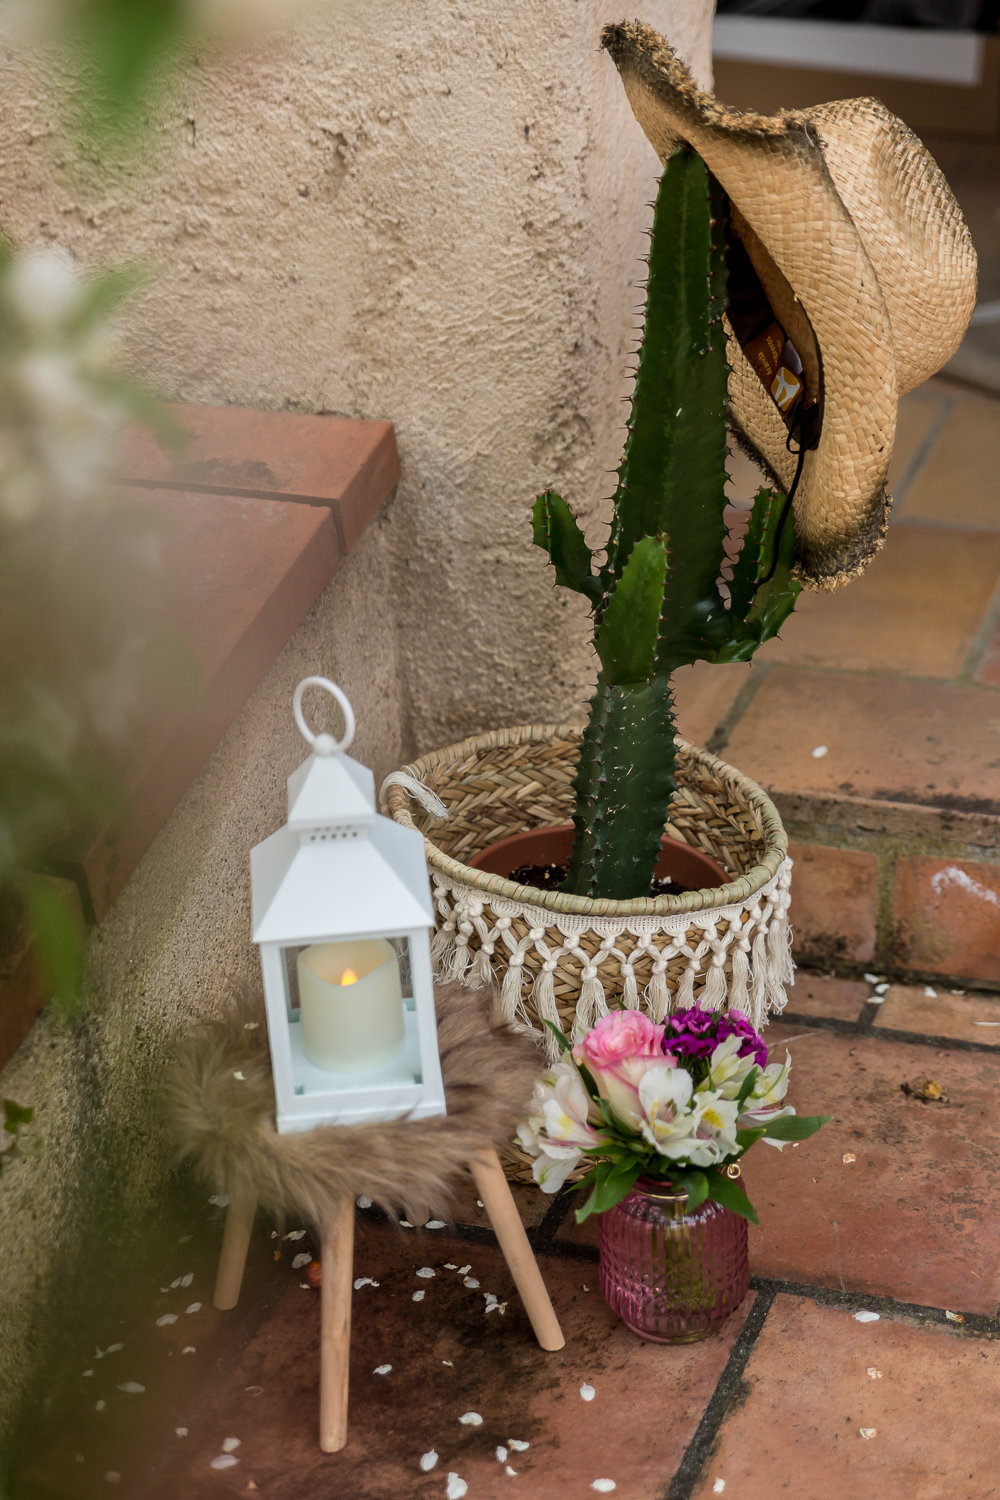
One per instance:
(431, 214)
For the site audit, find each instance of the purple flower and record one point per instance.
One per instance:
(690, 1033)
(696, 1033)
(733, 1024)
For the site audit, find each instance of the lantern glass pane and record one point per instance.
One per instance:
(347, 1001)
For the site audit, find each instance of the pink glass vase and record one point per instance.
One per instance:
(672, 1275)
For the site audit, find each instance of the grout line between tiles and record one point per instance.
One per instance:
(981, 640)
(727, 1392)
(865, 1026)
(923, 451)
(975, 1324)
(719, 737)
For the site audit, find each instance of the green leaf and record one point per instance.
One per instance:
(746, 1138)
(59, 944)
(612, 1180)
(15, 1115)
(626, 639)
(795, 1127)
(565, 1045)
(556, 530)
(746, 1088)
(694, 1184)
(724, 1190)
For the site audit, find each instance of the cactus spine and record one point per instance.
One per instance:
(658, 599)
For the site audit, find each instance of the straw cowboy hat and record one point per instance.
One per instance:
(859, 253)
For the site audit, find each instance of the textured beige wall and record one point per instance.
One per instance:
(408, 211)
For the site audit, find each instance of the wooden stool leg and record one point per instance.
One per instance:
(335, 1336)
(233, 1258)
(499, 1204)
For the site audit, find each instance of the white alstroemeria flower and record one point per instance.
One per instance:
(727, 1069)
(714, 1129)
(664, 1094)
(549, 1170)
(559, 1126)
(764, 1103)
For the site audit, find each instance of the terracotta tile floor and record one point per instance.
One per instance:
(893, 1210)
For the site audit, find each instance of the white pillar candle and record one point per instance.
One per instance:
(357, 1025)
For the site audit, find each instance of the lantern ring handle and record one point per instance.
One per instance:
(324, 744)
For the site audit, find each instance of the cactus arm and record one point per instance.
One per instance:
(756, 552)
(624, 781)
(758, 610)
(628, 635)
(556, 530)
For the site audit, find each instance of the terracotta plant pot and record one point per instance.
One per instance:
(688, 868)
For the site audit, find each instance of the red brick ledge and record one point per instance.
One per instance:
(261, 508)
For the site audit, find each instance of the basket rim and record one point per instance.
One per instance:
(561, 903)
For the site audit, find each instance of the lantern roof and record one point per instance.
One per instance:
(337, 868)
(329, 791)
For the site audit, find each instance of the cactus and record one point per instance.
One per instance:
(659, 600)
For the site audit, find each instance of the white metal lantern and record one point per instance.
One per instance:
(342, 913)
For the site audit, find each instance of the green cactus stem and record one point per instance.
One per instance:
(659, 600)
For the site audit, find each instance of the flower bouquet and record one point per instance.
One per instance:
(665, 1112)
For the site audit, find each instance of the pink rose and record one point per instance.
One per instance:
(618, 1052)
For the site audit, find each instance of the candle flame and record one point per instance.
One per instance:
(348, 977)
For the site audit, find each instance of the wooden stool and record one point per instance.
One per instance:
(337, 1252)
(222, 1104)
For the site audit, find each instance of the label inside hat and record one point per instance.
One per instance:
(777, 363)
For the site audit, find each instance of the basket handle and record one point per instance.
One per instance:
(429, 801)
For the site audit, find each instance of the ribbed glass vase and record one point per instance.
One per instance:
(672, 1275)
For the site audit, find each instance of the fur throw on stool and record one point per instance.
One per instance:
(221, 1104)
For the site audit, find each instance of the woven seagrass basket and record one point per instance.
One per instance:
(564, 958)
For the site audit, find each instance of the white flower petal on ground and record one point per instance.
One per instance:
(517, 1445)
(195, 1307)
(426, 1271)
(360, 1281)
(113, 1477)
(381, 1369)
(301, 1260)
(456, 1487)
(186, 1280)
(471, 1283)
(131, 1388)
(230, 1444)
(224, 1461)
(471, 1419)
(501, 1453)
(587, 1392)
(604, 1486)
(435, 1224)
(364, 1201)
(428, 1460)
(418, 1296)
(181, 1431)
(167, 1318)
(867, 1317)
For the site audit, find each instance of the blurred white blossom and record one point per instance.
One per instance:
(61, 411)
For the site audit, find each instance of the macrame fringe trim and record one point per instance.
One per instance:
(738, 957)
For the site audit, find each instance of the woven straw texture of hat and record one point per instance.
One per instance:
(867, 262)
(563, 958)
